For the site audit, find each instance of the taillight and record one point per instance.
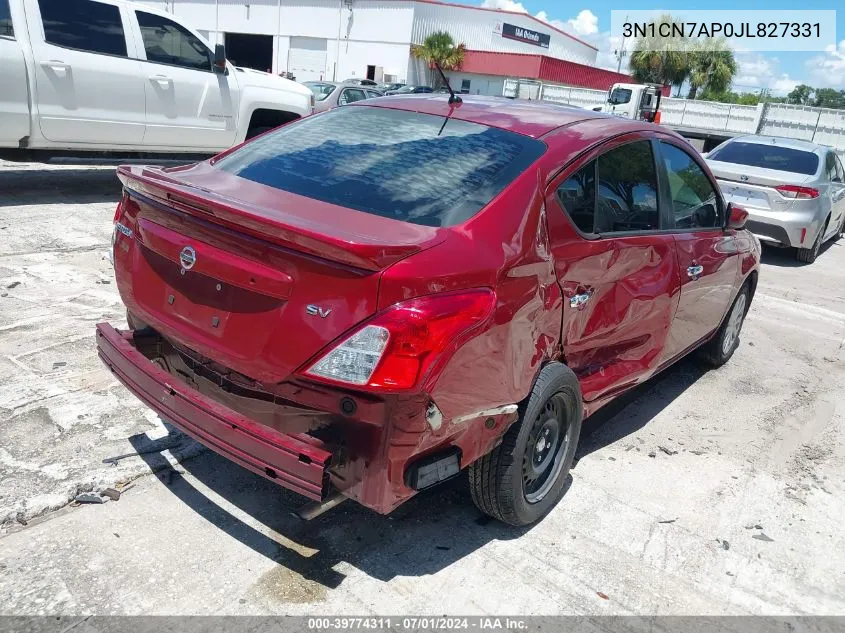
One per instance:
(657, 117)
(795, 191)
(398, 347)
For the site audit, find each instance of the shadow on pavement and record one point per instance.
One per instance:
(785, 257)
(58, 186)
(428, 533)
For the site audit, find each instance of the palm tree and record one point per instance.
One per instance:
(661, 60)
(440, 48)
(712, 68)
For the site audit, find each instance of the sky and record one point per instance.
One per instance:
(779, 72)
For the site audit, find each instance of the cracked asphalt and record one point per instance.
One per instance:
(703, 492)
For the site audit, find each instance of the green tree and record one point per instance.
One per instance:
(661, 60)
(712, 67)
(440, 48)
(829, 98)
(800, 95)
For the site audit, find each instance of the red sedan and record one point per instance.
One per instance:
(367, 301)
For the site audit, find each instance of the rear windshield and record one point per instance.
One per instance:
(418, 168)
(768, 156)
(321, 91)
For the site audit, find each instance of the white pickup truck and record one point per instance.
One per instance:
(82, 77)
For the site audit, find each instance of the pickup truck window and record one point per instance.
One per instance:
(83, 25)
(6, 27)
(167, 42)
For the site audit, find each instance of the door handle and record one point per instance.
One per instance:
(580, 300)
(694, 272)
(161, 79)
(55, 65)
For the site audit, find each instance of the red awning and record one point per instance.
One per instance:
(541, 67)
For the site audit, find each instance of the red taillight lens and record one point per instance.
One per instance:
(795, 191)
(657, 117)
(397, 348)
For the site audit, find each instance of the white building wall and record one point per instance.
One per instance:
(479, 29)
(370, 32)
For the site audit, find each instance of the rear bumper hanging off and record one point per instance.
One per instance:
(299, 463)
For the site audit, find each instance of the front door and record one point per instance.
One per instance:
(618, 272)
(707, 254)
(189, 106)
(88, 89)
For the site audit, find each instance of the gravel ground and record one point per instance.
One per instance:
(715, 492)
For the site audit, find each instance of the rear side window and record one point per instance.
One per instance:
(615, 193)
(830, 166)
(167, 42)
(351, 95)
(6, 28)
(321, 91)
(414, 167)
(694, 200)
(84, 25)
(767, 156)
(840, 173)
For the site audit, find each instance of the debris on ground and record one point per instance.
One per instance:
(58, 364)
(753, 526)
(763, 537)
(652, 454)
(724, 543)
(603, 596)
(14, 284)
(668, 451)
(668, 520)
(91, 497)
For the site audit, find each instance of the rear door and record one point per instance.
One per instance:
(14, 100)
(617, 270)
(707, 254)
(188, 104)
(88, 89)
(838, 193)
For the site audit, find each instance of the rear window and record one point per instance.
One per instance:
(321, 91)
(418, 168)
(767, 156)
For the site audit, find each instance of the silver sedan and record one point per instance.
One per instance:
(794, 191)
(330, 94)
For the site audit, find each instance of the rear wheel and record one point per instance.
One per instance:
(720, 349)
(809, 255)
(523, 478)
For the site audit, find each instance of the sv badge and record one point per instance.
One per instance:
(312, 310)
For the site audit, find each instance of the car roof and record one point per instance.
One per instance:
(807, 146)
(530, 118)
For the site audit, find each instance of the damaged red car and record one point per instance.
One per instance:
(365, 302)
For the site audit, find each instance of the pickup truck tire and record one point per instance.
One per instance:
(722, 346)
(523, 478)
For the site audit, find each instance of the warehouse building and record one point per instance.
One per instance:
(344, 39)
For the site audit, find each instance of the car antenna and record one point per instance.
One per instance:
(453, 98)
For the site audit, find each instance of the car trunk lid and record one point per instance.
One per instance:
(255, 278)
(750, 186)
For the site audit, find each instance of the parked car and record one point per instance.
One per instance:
(80, 76)
(330, 94)
(360, 318)
(405, 90)
(794, 191)
(390, 86)
(360, 82)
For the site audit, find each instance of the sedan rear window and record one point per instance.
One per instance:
(767, 156)
(418, 168)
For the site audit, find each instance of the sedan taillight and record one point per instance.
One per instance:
(397, 349)
(796, 191)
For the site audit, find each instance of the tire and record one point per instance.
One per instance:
(719, 350)
(543, 440)
(809, 255)
(255, 131)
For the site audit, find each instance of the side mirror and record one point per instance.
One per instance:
(737, 217)
(597, 109)
(220, 58)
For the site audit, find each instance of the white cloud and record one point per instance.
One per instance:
(828, 70)
(505, 5)
(757, 71)
(585, 23)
